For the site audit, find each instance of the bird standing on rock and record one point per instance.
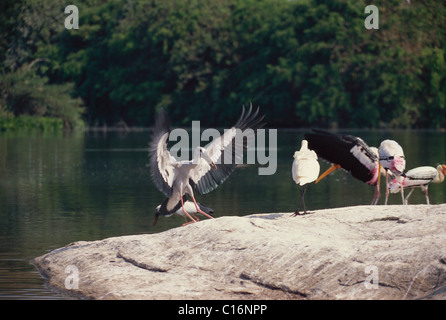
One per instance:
(206, 171)
(418, 177)
(305, 170)
(391, 158)
(349, 153)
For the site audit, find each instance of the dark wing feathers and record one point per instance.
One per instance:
(213, 178)
(249, 120)
(337, 149)
(161, 127)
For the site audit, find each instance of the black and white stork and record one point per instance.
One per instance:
(177, 209)
(349, 153)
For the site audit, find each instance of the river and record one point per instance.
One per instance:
(60, 188)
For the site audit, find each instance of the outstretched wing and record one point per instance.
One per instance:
(161, 162)
(226, 152)
(350, 152)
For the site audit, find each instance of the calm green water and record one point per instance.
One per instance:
(57, 189)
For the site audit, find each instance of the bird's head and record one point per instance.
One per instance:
(443, 169)
(201, 153)
(399, 164)
(391, 156)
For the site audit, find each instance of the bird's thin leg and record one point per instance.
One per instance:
(303, 198)
(199, 210)
(301, 201)
(298, 207)
(377, 187)
(376, 195)
(402, 195)
(406, 200)
(427, 196)
(187, 214)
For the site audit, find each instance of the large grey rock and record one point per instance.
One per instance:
(365, 252)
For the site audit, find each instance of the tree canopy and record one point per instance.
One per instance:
(304, 62)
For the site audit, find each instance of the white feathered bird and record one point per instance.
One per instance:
(418, 177)
(391, 158)
(206, 171)
(188, 206)
(304, 171)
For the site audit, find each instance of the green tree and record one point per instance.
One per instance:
(306, 62)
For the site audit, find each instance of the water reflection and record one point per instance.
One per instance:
(57, 189)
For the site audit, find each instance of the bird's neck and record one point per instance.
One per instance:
(172, 203)
(440, 176)
(197, 158)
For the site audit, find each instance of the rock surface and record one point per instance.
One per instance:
(364, 252)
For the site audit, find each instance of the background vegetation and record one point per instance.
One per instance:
(304, 62)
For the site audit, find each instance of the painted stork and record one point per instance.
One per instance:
(305, 170)
(167, 208)
(391, 158)
(349, 153)
(176, 178)
(418, 177)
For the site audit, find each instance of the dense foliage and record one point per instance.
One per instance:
(304, 62)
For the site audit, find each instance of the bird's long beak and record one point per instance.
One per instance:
(444, 169)
(156, 219)
(334, 167)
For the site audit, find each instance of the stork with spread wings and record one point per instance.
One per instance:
(206, 171)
